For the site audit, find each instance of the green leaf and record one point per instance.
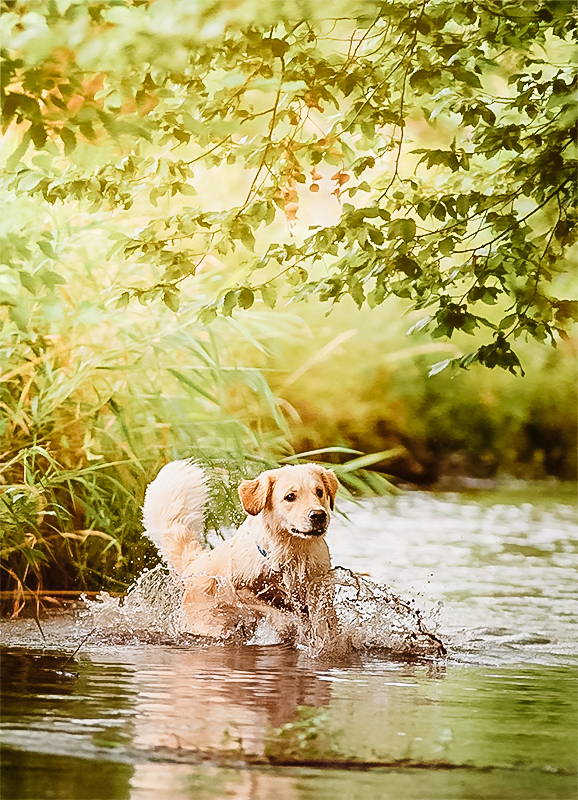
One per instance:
(16, 157)
(68, 140)
(402, 228)
(113, 100)
(278, 46)
(207, 315)
(46, 248)
(439, 366)
(376, 296)
(123, 300)
(30, 282)
(245, 298)
(356, 290)
(507, 321)
(269, 295)
(34, 557)
(195, 388)
(447, 246)
(463, 205)
(171, 299)
(51, 279)
(229, 302)
(372, 458)
(39, 135)
(247, 237)
(468, 77)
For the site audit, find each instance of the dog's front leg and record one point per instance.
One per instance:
(282, 620)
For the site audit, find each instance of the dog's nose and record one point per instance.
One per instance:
(317, 516)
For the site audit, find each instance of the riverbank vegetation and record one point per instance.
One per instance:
(182, 187)
(95, 399)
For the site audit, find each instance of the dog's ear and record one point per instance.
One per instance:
(254, 494)
(331, 484)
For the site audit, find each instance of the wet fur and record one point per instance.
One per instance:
(228, 590)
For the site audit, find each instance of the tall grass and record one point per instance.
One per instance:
(94, 399)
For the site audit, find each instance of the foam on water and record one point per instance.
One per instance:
(370, 617)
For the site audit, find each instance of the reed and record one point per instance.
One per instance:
(95, 398)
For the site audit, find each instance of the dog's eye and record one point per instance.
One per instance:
(319, 492)
(290, 497)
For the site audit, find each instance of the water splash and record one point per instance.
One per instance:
(150, 612)
(375, 618)
(370, 617)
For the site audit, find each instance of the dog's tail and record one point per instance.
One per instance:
(173, 511)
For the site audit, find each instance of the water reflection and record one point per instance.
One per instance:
(188, 723)
(217, 701)
(222, 698)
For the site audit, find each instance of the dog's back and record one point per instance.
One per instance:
(173, 511)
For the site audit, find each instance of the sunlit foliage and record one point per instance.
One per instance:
(444, 129)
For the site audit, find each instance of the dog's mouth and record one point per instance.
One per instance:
(307, 534)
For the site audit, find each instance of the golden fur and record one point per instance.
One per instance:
(275, 567)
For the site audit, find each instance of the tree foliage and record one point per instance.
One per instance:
(445, 129)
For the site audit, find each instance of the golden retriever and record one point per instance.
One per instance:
(275, 567)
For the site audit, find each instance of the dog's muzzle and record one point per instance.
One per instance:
(318, 520)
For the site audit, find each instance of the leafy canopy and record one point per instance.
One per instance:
(445, 130)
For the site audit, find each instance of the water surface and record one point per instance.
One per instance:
(171, 717)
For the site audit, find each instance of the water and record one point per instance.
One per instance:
(149, 712)
(504, 572)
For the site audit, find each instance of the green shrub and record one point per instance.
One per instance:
(357, 379)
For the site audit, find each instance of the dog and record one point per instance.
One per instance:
(276, 567)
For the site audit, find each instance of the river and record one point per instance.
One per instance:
(160, 716)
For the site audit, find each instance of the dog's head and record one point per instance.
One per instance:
(293, 499)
